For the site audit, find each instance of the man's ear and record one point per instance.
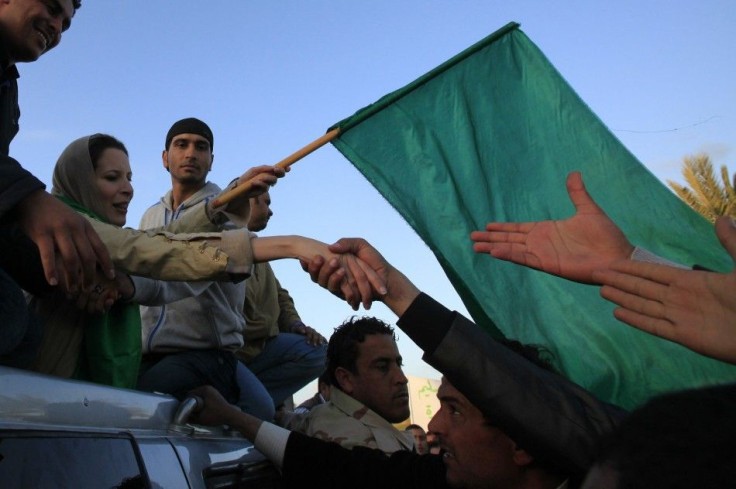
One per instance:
(520, 456)
(344, 379)
(164, 158)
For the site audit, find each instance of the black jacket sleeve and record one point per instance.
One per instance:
(555, 420)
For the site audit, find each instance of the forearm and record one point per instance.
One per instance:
(278, 247)
(401, 292)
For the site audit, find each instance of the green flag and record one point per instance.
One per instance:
(491, 135)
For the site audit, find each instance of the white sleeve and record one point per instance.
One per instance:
(640, 254)
(271, 442)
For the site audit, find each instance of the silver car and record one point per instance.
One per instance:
(59, 433)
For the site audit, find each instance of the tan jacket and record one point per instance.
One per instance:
(153, 253)
(350, 423)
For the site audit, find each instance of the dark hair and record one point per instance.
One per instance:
(99, 143)
(677, 440)
(413, 427)
(77, 4)
(342, 349)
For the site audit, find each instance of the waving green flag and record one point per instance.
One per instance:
(491, 135)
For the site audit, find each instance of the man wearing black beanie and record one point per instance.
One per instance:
(192, 340)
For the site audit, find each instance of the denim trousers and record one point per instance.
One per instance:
(286, 364)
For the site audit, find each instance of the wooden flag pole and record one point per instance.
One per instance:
(285, 163)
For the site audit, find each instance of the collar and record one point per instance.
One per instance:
(356, 409)
(205, 193)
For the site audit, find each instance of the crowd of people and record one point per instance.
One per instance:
(188, 305)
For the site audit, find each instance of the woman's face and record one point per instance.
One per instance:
(113, 180)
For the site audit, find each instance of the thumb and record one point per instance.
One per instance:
(579, 195)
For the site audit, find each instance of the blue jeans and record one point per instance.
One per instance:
(178, 373)
(20, 330)
(286, 364)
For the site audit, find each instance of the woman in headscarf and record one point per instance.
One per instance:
(93, 176)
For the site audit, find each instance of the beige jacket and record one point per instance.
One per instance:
(350, 423)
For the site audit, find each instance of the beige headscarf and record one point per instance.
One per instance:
(74, 176)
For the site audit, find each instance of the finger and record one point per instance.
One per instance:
(327, 270)
(636, 301)
(48, 260)
(314, 267)
(73, 275)
(654, 326)
(377, 284)
(499, 236)
(350, 294)
(509, 227)
(335, 282)
(625, 272)
(358, 279)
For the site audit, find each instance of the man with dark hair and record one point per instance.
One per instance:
(369, 390)
(191, 330)
(420, 438)
(44, 243)
(503, 421)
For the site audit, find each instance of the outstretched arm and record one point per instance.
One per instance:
(570, 248)
(694, 308)
(396, 291)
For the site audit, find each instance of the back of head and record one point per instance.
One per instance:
(343, 346)
(678, 440)
(74, 172)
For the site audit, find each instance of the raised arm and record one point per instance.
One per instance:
(571, 248)
(694, 308)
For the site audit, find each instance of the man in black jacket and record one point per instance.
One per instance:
(63, 249)
(541, 420)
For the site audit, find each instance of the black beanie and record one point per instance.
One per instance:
(190, 125)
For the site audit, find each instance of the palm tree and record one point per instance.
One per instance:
(706, 195)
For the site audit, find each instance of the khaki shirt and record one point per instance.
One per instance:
(350, 423)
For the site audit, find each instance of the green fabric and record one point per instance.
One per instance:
(491, 135)
(111, 348)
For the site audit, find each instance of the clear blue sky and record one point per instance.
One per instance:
(269, 77)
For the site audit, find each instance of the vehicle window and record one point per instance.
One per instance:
(63, 460)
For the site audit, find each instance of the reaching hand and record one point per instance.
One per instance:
(215, 409)
(394, 289)
(571, 248)
(54, 227)
(694, 308)
(260, 179)
(257, 181)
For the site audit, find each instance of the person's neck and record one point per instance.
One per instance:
(181, 192)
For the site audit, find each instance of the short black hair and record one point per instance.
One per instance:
(77, 4)
(342, 349)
